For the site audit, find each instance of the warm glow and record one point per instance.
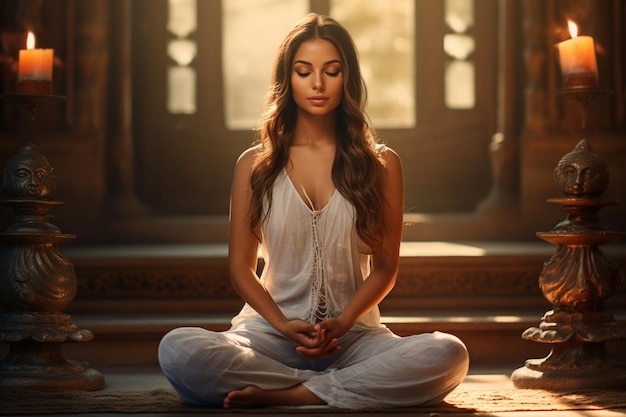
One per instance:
(577, 57)
(573, 29)
(30, 41)
(34, 73)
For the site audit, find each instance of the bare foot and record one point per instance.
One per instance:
(253, 397)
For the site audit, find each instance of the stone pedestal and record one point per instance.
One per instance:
(36, 284)
(577, 280)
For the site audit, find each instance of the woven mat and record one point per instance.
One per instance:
(24, 401)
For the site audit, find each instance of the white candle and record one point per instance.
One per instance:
(577, 57)
(35, 69)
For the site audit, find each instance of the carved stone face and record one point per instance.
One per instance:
(28, 174)
(581, 173)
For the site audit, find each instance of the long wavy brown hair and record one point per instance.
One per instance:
(358, 163)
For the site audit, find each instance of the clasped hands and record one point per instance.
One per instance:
(316, 341)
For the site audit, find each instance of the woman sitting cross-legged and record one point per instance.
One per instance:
(324, 200)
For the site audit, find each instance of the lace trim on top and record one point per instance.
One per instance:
(319, 305)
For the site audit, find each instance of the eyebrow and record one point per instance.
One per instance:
(333, 61)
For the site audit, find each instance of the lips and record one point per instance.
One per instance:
(317, 100)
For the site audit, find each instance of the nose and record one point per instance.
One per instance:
(579, 182)
(318, 83)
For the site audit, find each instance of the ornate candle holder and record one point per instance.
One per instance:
(33, 102)
(583, 95)
(37, 282)
(577, 280)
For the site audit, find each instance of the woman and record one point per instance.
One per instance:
(325, 203)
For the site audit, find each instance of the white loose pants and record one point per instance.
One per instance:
(374, 369)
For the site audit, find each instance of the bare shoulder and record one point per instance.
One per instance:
(391, 157)
(246, 159)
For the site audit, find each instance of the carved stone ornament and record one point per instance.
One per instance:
(36, 284)
(581, 173)
(577, 280)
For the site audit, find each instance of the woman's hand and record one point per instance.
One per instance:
(302, 333)
(326, 342)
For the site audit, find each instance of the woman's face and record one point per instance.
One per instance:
(317, 77)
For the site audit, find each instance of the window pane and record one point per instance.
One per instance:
(459, 76)
(181, 79)
(459, 15)
(252, 32)
(181, 86)
(182, 17)
(458, 46)
(383, 32)
(182, 51)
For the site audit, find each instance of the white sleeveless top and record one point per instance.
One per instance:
(313, 265)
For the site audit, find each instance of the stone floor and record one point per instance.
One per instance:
(481, 378)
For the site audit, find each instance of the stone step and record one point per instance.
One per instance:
(433, 276)
(491, 338)
(485, 293)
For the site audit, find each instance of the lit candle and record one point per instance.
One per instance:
(35, 69)
(578, 60)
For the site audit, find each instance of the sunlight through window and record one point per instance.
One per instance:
(181, 76)
(252, 32)
(460, 72)
(383, 32)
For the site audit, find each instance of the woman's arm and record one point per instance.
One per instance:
(386, 259)
(243, 255)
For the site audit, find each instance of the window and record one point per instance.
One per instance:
(383, 32)
(181, 76)
(459, 45)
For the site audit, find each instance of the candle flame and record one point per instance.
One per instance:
(30, 41)
(573, 29)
